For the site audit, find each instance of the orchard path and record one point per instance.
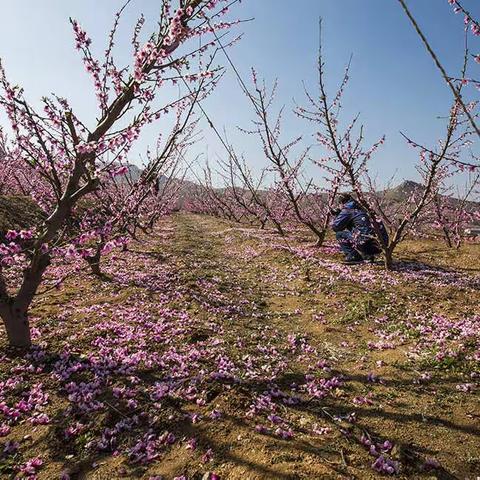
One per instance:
(426, 419)
(211, 347)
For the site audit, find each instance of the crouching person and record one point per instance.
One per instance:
(355, 233)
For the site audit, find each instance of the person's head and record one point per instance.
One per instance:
(345, 198)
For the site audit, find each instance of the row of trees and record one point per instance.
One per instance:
(428, 208)
(76, 169)
(289, 197)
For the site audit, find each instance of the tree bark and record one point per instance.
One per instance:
(17, 326)
(388, 259)
(446, 236)
(321, 234)
(94, 262)
(14, 310)
(279, 228)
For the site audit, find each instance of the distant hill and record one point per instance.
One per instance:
(397, 195)
(134, 172)
(403, 192)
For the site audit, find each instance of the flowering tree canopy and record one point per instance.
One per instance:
(72, 157)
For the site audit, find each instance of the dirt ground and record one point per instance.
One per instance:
(217, 349)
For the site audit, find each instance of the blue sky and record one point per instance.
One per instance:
(394, 84)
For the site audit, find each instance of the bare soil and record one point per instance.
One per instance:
(244, 315)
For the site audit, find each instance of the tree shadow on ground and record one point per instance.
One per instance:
(171, 415)
(173, 412)
(410, 265)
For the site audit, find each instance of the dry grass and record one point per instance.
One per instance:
(277, 292)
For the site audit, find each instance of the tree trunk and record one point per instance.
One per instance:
(320, 237)
(447, 238)
(388, 259)
(94, 262)
(17, 326)
(14, 311)
(279, 228)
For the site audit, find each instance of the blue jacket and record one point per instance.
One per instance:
(352, 217)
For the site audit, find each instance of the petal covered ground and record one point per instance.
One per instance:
(214, 351)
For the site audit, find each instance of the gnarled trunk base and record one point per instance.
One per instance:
(17, 327)
(388, 262)
(320, 238)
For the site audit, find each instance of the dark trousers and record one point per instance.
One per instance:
(357, 246)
